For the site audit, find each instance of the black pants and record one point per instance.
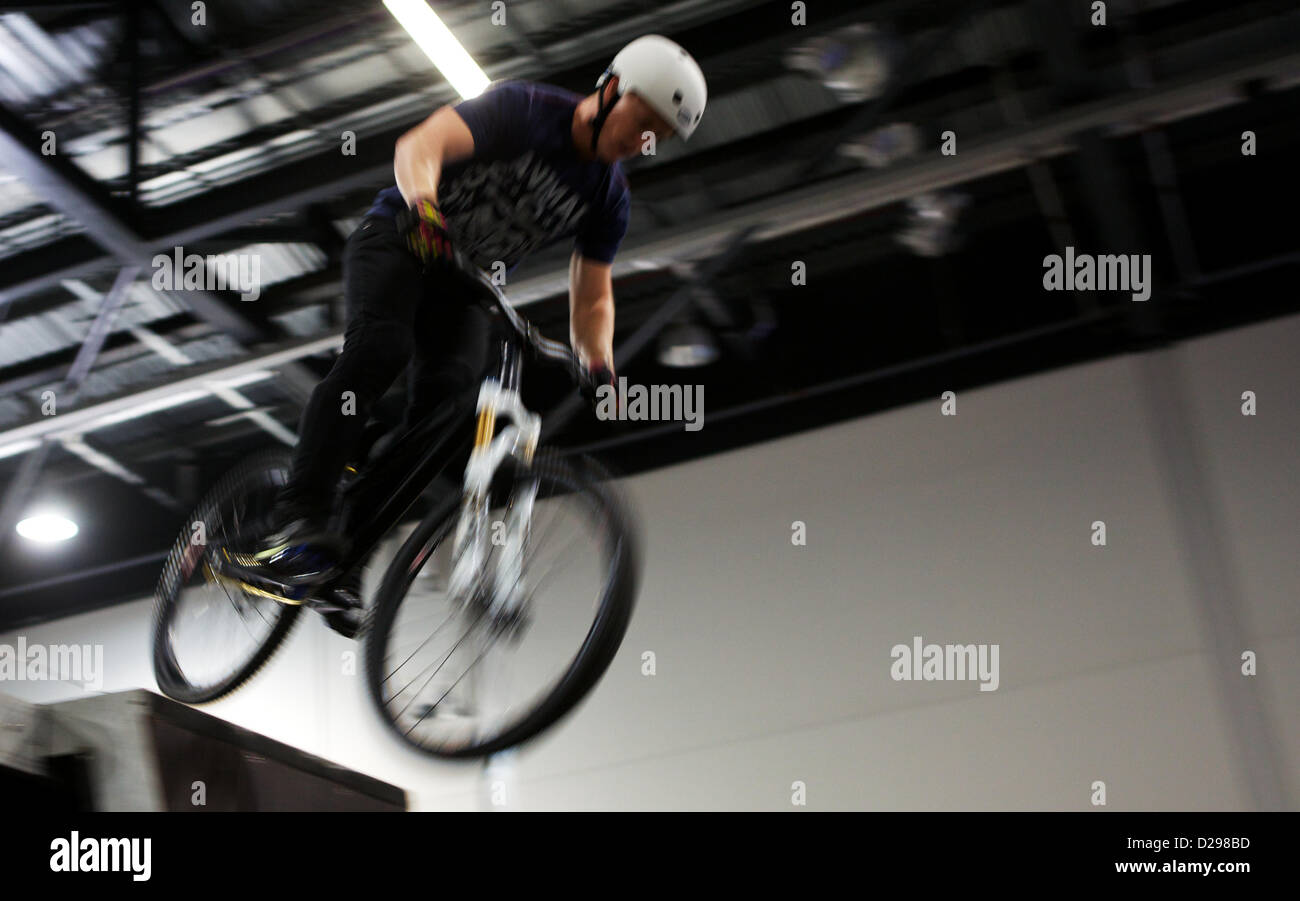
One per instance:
(397, 318)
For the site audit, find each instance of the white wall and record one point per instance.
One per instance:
(773, 660)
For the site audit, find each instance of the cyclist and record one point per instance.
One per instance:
(520, 166)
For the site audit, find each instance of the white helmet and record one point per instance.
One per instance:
(665, 76)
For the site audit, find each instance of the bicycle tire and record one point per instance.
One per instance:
(613, 614)
(255, 470)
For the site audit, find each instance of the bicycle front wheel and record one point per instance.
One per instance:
(455, 677)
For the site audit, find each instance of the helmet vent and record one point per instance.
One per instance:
(677, 97)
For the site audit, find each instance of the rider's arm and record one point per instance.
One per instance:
(591, 311)
(421, 152)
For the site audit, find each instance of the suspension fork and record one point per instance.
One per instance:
(499, 398)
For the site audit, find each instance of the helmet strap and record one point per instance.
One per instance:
(602, 111)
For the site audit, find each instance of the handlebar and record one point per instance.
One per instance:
(492, 298)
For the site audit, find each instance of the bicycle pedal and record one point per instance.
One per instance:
(316, 568)
(326, 605)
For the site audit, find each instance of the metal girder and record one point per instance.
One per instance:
(64, 186)
(795, 211)
(1096, 159)
(42, 268)
(76, 444)
(126, 351)
(133, 13)
(26, 5)
(192, 386)
(292, 187)
(697, 278)
(99, 329)
(77, 196)
(24, 484)
(214, 215)
(256, 234)
(177, 357)
(1046, 192)
(1161, 163)
(980, 157)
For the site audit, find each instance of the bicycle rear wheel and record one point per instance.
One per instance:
(452, 679)
(191, 610)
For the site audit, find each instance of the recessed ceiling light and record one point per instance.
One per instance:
(47, 528)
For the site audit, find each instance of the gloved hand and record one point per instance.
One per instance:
(593, 378)
(423, 230)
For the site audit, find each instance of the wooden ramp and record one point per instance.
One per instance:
(139, 751)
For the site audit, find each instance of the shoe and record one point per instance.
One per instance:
(299, 550)
(343, 608)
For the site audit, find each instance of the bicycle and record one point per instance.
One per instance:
(488, 571)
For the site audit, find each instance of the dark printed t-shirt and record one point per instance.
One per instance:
(525, 186)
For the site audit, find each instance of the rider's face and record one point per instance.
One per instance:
(624, 132)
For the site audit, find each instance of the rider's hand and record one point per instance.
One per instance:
(424, 232)
(596, 375)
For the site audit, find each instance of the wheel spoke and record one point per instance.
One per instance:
(417, 648)
(487, 645)
(550, 571)
(471, 705)
(472, 627)
(212, 630)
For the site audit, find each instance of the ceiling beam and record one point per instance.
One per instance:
(66, 188)
(292, 187)
(20, 490)
(830, 200)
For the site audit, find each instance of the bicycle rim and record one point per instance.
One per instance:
(460, 680)
(209, 638)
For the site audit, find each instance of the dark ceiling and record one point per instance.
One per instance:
(1124, 138)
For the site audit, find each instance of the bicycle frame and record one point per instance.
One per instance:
(375, 502)
(384, 491)
(398, 484)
